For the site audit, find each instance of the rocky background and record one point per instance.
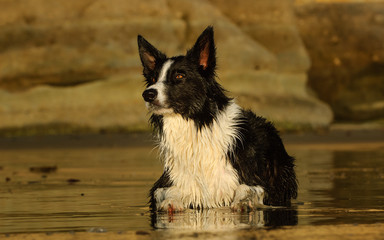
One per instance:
(345, 42)
(73, 66)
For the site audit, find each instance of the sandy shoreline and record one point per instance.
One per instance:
(335, 138)
(329, 232)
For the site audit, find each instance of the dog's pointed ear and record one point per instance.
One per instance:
(149, 55)
(204, 51)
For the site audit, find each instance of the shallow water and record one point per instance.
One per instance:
(104, 188)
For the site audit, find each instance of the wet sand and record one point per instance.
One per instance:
(61, 187)
(328, 232)
(337, 137)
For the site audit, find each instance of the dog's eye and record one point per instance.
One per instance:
(153, 80)
(179, 76)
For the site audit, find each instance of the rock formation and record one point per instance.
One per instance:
(345, 42)
(74, 66)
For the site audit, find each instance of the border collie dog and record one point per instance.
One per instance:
(214, 153)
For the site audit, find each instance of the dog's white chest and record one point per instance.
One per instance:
(197, 159)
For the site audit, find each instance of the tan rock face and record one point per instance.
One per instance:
(43, 42)
(345, 43)
(76, 63)
(272, 24)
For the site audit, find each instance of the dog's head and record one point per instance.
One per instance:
(184, 84)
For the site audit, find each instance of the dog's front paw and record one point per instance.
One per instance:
(247, 198)
(171, 205)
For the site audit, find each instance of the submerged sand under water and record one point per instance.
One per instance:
(94, 187)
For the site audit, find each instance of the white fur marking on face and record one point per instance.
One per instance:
(164, 70)
(160, 87)
(197, 159)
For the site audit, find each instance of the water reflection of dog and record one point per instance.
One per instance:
(224, 219)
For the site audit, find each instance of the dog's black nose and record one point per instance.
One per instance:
(150, 95)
